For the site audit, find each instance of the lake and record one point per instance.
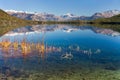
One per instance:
(60, 52)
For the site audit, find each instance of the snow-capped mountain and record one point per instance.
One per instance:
(51, 17)
(13, 11)
(32, 15)
(106, 14)
(44, 17)
(69, 16)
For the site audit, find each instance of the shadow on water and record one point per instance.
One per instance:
(60, 52)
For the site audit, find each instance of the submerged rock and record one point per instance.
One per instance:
(6, 70)
(98, 51)
(18, 73)
(67, 56)
(3, 77)
(111, 67)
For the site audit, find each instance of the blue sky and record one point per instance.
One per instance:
(58, 7)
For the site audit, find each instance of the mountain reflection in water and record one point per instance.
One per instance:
(62, 52)
(65, 28)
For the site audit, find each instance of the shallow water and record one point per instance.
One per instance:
(60, 52)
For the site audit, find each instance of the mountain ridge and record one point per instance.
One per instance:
(51, 17)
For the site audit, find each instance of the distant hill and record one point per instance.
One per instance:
(111, 20)
(8, 22)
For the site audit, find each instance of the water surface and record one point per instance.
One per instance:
(60, 52)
